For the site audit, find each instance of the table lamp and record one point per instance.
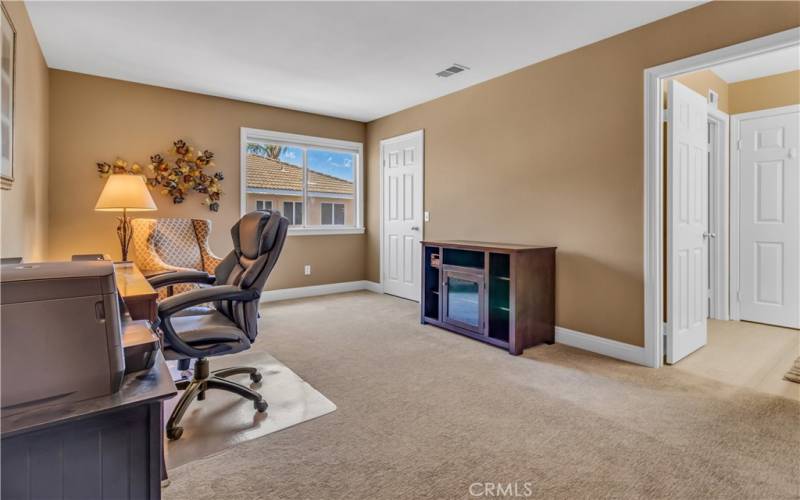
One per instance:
(124, 193)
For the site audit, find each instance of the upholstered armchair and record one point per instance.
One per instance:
(170, 245)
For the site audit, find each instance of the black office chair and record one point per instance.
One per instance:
(232, 323)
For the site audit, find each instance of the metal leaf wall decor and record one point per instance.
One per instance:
(176, 176)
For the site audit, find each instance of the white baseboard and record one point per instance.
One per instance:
(373, 286)
(600, 345)
(316, 290)
(580, 340)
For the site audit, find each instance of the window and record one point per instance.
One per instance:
(332, 214)
(316, 181)
(263, 205)
(293, 210)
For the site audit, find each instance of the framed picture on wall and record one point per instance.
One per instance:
(8, 46)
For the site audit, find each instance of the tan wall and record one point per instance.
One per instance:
(763, 93)
(543, 156)
(315, 215)
(97, 119)
(23, 231)
(705, 80)
(749, 95)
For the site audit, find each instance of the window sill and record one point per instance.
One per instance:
(318, 231)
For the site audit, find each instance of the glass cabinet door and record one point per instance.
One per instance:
(463, 294)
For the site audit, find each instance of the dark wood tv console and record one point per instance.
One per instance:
(499, 293)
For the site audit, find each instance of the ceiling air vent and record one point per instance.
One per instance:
(452, 70)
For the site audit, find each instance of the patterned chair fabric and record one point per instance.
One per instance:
(173, 244)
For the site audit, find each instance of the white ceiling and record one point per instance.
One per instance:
(771, 63)
(359, 60)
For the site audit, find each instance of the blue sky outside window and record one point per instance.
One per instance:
(333, 163)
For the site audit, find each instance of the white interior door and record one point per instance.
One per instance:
(687, 209)
(402, 165)
(769, 219)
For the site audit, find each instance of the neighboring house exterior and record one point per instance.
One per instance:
(274, 185)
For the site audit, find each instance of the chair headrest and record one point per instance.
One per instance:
(255, 233)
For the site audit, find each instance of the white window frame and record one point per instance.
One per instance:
(333, 205)
(264, 202)
(294, 211)
(307, 141)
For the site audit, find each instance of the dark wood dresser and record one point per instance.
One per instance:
(499, 293)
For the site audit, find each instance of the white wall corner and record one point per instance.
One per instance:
(600, 345)
(317, 290)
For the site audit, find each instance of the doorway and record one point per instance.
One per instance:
(719, 210)
(682, 243)
(402, 171)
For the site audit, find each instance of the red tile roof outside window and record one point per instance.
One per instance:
(266, 173)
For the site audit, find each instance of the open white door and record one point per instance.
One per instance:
(402, 165)
(769, 217)
(687, 222)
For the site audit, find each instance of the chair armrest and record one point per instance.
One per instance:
(168, 307)
(174, 278)
(176, 303)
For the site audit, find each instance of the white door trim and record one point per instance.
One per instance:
(720, 289)
(653, 179)
(420, 202)
(736, 122)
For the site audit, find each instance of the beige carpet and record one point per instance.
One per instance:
(423, 413)
(793, 375)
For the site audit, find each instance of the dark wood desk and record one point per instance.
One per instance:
(106, 447)
(139, 296)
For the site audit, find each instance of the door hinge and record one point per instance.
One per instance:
(738, 296)
(739, 145)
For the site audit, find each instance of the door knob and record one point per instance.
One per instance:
(415, 228)
(709, 235)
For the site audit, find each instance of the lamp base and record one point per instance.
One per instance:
(124, 233)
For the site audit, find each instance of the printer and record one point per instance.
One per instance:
(60, 333)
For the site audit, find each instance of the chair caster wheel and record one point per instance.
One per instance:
(261, 406)
(174, 433)
(256, 377)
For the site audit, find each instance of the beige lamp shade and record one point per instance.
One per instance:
(125, 192)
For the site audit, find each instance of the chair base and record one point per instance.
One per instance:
(204, 380)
